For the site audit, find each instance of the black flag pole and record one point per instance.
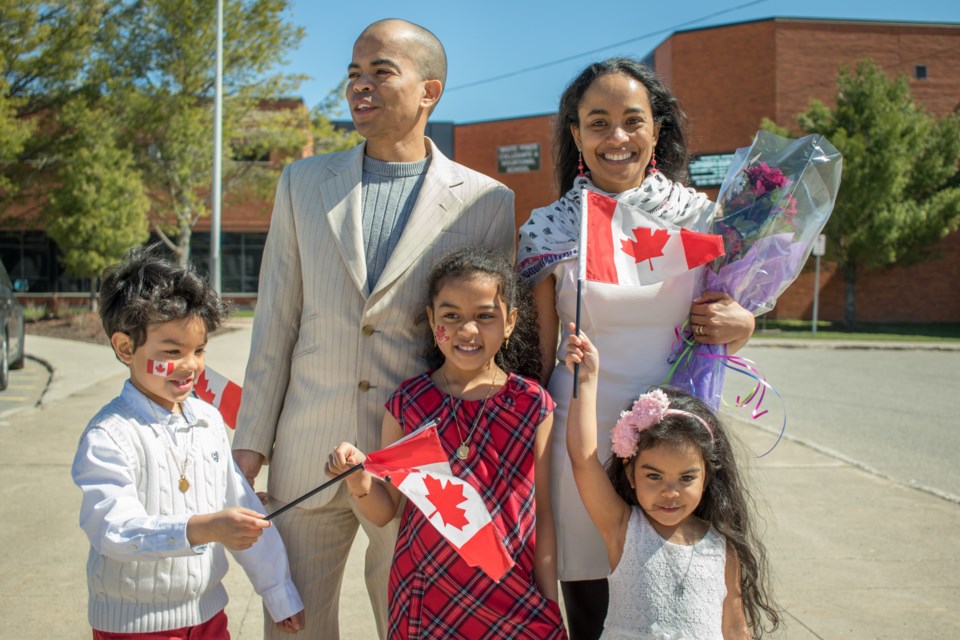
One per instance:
(315, 491)
(576, 365)
(581, 275)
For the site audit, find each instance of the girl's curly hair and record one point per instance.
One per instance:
(522, 354)
(726, 503)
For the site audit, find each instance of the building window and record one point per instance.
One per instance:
(920, 72)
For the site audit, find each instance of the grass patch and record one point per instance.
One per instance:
(33, 312)
(867, 331)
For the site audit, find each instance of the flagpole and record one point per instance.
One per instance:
(216, 195)
(581, 274)
(317, 490)
(576, 365)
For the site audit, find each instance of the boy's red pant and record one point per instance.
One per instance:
(213, 629)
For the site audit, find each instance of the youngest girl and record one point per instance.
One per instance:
(494, 426)
(673, 514)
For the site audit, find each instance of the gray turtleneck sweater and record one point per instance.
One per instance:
(389, 192)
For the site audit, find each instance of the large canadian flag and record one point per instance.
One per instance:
(621, 244)
(419, 468)
(221, 392)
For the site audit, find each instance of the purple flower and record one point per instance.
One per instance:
(763, 178)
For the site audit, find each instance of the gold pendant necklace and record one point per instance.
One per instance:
(183, 484)
(463, 451)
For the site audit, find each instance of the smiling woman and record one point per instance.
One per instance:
(619, 132)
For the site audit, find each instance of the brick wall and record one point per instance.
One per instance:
(809, 54)
(725, 79)
(925, 292)
(475, 145)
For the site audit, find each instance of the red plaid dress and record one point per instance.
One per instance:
(433, 592)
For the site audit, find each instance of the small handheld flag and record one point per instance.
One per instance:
(221, 392)
(622, 244)
(420, 469)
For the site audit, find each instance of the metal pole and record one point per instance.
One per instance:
(217, 159)
(816, 293)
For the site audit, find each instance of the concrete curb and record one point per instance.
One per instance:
(786, 343)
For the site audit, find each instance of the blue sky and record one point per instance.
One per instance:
(492, 38)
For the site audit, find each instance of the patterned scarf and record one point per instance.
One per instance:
(552, 233)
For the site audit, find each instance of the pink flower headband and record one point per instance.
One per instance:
(648, 410)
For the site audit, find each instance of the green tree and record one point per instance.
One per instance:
(44, 49)
(161, 59)
(900, 189)
(99, 211)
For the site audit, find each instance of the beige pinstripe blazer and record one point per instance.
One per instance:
(325, 353)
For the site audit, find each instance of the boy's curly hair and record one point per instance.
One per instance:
(147, 288)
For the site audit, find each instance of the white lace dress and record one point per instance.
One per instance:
(666, 591)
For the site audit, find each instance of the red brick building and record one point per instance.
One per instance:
(728, 78)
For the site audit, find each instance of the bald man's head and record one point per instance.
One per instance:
(426, 50)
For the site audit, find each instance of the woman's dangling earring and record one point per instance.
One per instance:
(652, 167)
(580, 167)
(506, 343)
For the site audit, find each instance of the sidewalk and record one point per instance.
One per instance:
(854, 555)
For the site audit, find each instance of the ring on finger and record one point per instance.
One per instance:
(699, 330)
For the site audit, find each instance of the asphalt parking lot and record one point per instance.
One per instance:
(25, 389)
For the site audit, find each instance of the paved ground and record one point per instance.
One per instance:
(854, 555)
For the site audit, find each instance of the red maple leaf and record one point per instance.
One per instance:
(648, 244)
(445, 499)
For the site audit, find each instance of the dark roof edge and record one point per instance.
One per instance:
(532, 115)
(887, 23)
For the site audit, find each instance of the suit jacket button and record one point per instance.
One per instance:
(364, 385)
(367, 330)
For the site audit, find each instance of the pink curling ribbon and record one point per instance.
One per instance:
(738, 364)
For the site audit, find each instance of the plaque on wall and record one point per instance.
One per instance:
(709, 169)
(519, 158)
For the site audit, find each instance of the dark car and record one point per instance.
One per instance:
(11, 320)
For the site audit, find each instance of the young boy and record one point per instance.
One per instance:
(161, 495)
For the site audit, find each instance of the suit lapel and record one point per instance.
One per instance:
(340, 196)
(437, 206)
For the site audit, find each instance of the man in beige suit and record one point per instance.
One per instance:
(352, 239)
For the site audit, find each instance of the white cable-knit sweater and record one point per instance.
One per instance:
(142, 573)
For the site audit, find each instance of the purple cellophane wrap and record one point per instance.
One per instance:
(775, 200)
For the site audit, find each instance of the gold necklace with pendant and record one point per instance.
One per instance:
(183, 484)
(463, 451)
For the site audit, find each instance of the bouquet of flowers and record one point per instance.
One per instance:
(774, 202)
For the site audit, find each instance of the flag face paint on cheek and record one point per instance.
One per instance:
(441, 333)
(162, 368)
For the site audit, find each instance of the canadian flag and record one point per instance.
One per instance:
(221, 392)
(621, 244)
(162, 368)
(419, 468)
